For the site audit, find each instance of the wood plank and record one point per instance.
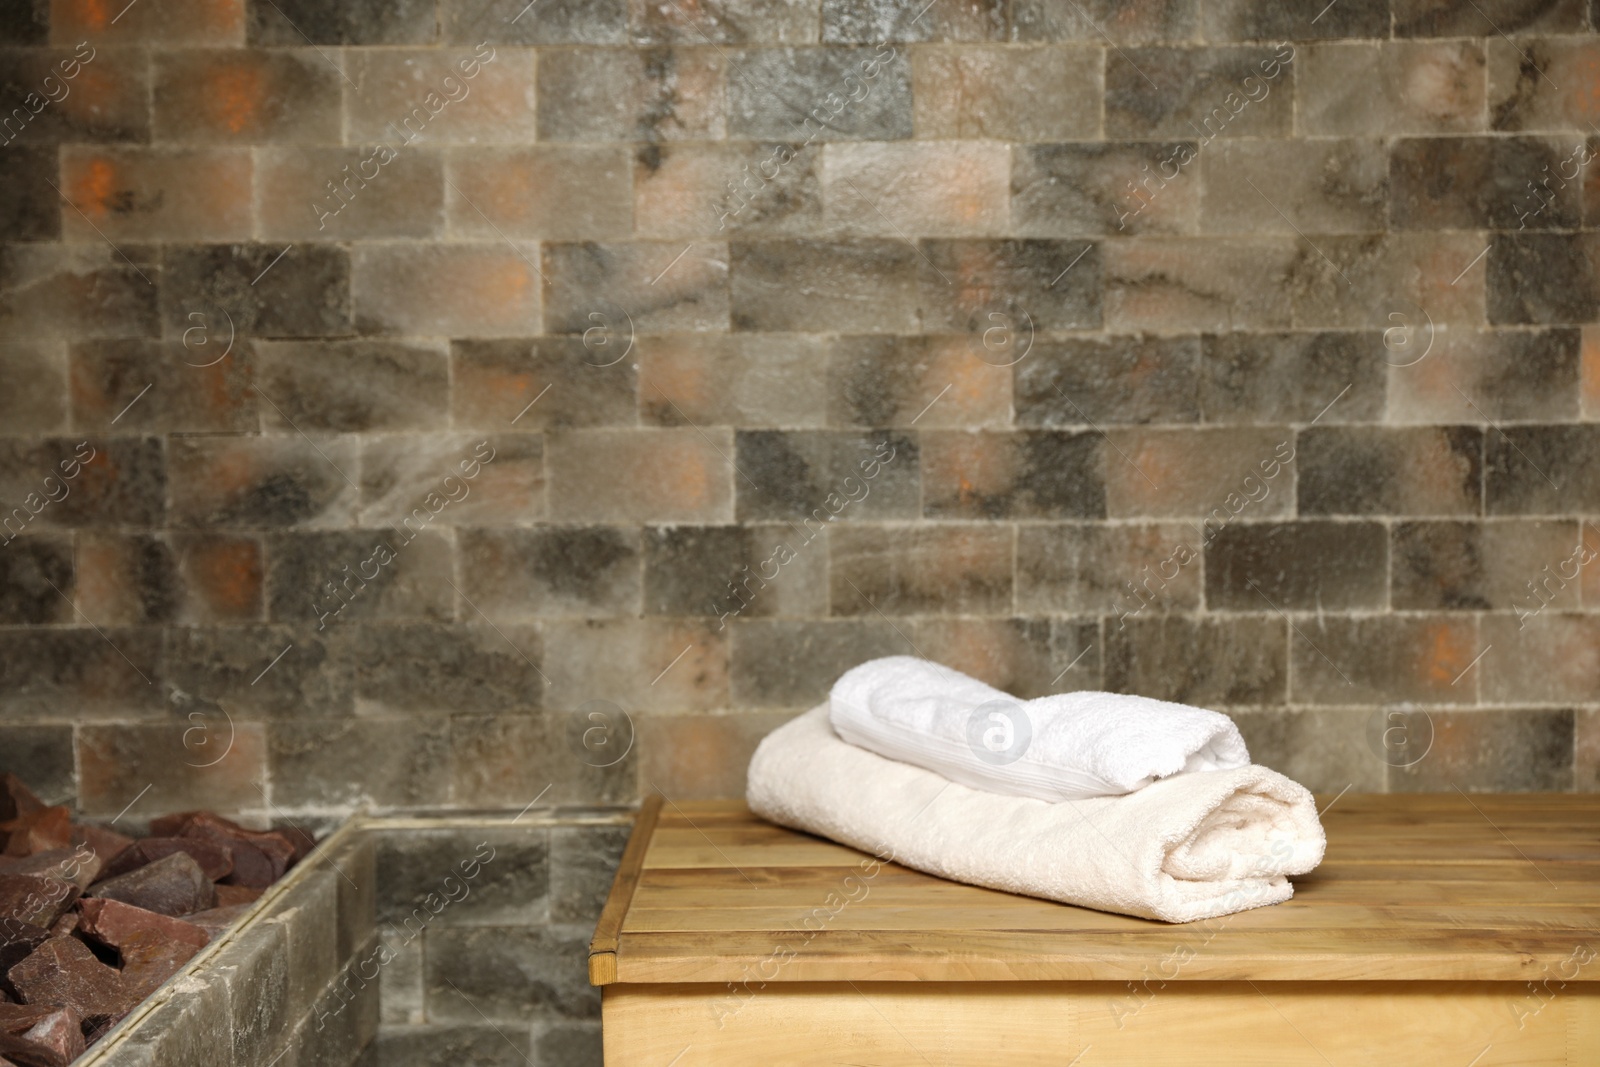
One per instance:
(608, 929)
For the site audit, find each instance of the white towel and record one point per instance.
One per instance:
(1063, 747)
(1189, 847)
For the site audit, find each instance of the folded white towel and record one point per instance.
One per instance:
(1062, 747)
(1188, 847)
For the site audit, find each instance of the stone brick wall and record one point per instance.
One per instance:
(474, 403)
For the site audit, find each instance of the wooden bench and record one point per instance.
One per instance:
(1440, 929)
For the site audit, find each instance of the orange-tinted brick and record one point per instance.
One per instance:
(152, 194)
(693, 757)
(447, 290)
(247, 97)
(550, 191)
(641, 475)
(168, 22)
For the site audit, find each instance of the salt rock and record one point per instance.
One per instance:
(101, 841)
(20, 1018)
(19, 1051)
(302, 841)
(34, 898)
(149, 959)
(216, 920)
(63, 972)
(214, 859)
(113, 922)
(18, 939)
(61, 1032)
(260, 857)
(16, 798)
(79, 865)
(174, 885)
(38, 831)
(229, 895)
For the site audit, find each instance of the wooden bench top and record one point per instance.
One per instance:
(1414, 887)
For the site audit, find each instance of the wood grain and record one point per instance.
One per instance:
(603, 946)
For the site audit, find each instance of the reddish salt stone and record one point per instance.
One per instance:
(63, 972)
(302, 841)
(99, 840)
(64, 926)
(215, 860)
(61, 1032)
(229, 895)
(260, 857)
(216, 920)
(18, 939)
(19, 1051)
(20, 1018)
(38, 831)
(16, 798)
(112, 922)
(79, 865)
(34, 898)
(148, 959)
(174, 885)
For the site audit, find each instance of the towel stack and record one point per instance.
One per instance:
(1108, 801)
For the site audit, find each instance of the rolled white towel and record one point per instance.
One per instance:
(1064, 747)
(1189, 847)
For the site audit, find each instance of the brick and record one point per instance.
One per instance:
(405, 761)
(299, 290)
(782, 663)
(631, 662)
(1322, 749)
(724, 22)
(349, 386)
(920, 570)
(26, 23)
(1491, 751)
(583, 862)
(1419, 18)
(559, 191)
(666, 94)
(110, 378)
(695, 757)
(508, 974)
(1245, 20)
(1542, 470)
(83, 93)
(1085, 188)
(1503, 374)
(92, 482)
(116, 762)
(125, 579)
(1385, 659)
(1383, 471)
(262, 481)
(510, 872)
(1034, 474)
(30, 210)
(1000, 293)
(512, 759)
(249, 97)
(1106, 381)
(37, 399)
(1365, 280)
(1522, 100)
(734, 572)
(54, 291)
(156, 193)
(1296, 566)
(497, 478)
(495, 382)
(219, 578)
(1214, 474)
(1291, 377)
(413, 1046)
(1500, 183)
(1586, 751)
(711, 190)
(1591, 577)
(1006, 93)
(330, 577)
(555, 22)
(1368, 89)
(44, 754)
(415, 668)
(873, 21)
(847, 94)
(1542, 278)
(1026, 657)
(219, 22)
(551, 571)
(262, 671)
(410, 96)
(640, 475)
(1088, 20)
(861, 286)
(446, 290)
(1094, 569)
(333, 193)
(29, 565)
(1484, 565)
(575, 1042)
(1589, 374)
(937, 188)
(881, 380)
(733, 380)
(818, 477)
(290, 23)
(1174, 92)
(46, 672)
(1175, 283)
(1202, 661)
(1323, 186)
(661, 287)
